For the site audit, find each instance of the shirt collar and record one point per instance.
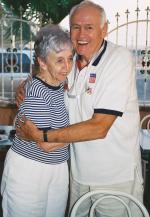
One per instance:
(101, 53)
(98, 55)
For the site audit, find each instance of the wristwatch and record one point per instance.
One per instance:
(45, 135)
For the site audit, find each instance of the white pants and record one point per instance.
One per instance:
(33, 189)
(106, 208)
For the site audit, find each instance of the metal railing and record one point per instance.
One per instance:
(16, 53)
(135, 35)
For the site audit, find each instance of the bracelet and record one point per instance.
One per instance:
(45, 135)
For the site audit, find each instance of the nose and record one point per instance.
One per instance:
(67, 65)
(81, 32)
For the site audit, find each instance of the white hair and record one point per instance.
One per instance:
(49, 39)
(85, 3)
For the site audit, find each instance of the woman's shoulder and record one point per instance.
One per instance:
(35, 88)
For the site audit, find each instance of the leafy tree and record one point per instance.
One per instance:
(38, 11)
(51, 10)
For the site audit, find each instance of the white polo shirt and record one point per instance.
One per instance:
(107, 85)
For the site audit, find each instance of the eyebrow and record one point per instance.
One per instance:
(87, 24)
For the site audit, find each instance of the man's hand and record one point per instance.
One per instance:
(47, 147)
(27, 130)
(20, 93)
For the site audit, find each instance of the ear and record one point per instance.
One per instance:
(104, 30)
(42, 63)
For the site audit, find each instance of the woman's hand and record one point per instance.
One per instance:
(47, 147)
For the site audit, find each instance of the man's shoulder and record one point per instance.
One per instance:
(119, 50)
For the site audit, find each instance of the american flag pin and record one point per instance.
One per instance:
(92, 78)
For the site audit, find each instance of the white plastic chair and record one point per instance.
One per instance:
(146, 119)
(107, 194)
(145, 132)
(145, 141)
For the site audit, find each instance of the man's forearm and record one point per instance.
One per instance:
(94, 128)
(87, 130)
(74, 133)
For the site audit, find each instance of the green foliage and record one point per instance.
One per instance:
(51, 10)
(38, 11)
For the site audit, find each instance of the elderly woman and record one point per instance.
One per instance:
(34, 182)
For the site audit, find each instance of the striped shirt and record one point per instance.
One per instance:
(45, 106)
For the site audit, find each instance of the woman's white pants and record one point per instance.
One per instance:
(33, 189)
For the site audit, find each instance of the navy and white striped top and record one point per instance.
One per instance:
(45, 106)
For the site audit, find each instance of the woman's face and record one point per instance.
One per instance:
(58, 65)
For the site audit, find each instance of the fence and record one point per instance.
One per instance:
(16, 53)
(135, 35)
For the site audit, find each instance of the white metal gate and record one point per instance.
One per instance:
(16, 54)
(135, 35)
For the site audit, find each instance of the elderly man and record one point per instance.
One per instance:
(104, 115)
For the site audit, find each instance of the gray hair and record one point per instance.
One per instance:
(51, 39)
(85, 3)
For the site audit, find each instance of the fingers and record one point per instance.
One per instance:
(20, 132)
(23, 119)
(20, 121)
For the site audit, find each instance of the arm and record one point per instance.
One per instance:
(47, 147)
(20, 93)
(94, 128)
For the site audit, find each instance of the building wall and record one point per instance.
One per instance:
(7, 114)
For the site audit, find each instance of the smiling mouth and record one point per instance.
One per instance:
(82, 42)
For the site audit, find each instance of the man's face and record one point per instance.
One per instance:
(86, 32)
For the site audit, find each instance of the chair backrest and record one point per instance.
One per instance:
(107, 194)
(145, 143)
(145, 132)
(146, 119)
